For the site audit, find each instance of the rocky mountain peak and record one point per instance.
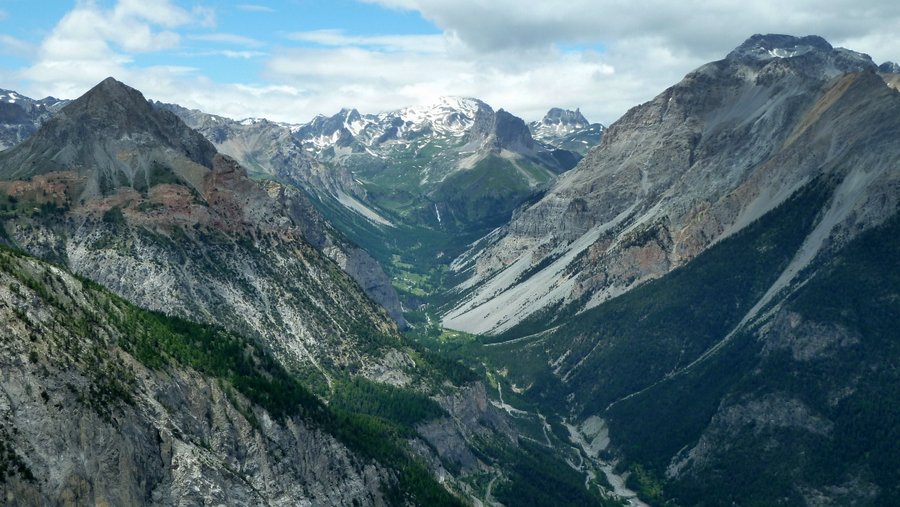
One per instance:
(351, 115)
(112, 92)
(766, 47)
(329, 129)
(21, 116)
(11, 97)
(566, 129)
(510, 132)
(447, 115)
(889, 68)
(500, 130)
(114, 110)
(811, 52)
(113, 135)
(559, 116)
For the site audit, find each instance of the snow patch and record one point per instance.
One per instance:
(789, 53)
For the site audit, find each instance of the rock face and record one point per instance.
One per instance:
(85, 422)
(889, 68)
(691, 167)
(139, 202)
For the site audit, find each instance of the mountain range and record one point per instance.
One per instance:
(196, 312)
(693, 306)
(146, 206)
(419, 152)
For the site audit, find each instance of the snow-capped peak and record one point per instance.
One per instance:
(11, 97)
(251, 121)
(447, 115)
(789, 53)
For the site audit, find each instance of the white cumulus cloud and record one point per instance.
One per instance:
(603, 56)
(90, 43)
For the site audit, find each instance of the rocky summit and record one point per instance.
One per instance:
(568, 130)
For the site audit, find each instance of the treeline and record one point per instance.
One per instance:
(402, 406)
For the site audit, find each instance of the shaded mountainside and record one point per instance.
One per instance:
(760, 368)
(106, 403)
(691, 167)
(811, 388)
(113, 137)
(792, 405)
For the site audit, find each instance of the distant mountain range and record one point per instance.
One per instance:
(454, 164)
(412, 186)
(21, 116)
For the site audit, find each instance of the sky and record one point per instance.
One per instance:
(289, 60)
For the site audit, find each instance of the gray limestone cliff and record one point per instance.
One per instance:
(84, 422)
